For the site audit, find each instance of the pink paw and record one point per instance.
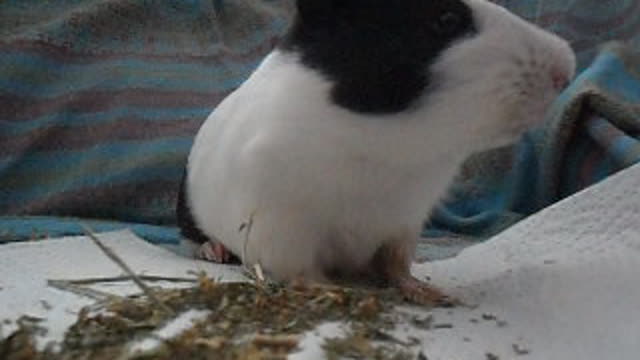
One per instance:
(215, 252)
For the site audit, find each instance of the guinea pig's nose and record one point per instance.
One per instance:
(559, 78)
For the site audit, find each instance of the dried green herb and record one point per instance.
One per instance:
(257, 320)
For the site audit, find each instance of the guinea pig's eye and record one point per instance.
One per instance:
(448, 23)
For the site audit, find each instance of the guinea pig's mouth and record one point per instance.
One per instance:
(530, 114)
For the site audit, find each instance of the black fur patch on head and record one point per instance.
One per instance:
(377, 52)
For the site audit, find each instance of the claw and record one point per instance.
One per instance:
(214, 251)
(421, 293)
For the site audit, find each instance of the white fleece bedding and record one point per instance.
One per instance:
(565, 281)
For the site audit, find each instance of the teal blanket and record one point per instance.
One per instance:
(100, 100)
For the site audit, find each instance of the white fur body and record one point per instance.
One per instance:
(284, 178)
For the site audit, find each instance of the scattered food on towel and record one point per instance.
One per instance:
(228, 321)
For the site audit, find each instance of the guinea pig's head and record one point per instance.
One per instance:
(469, 65)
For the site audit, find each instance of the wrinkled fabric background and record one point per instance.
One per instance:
(100, 100)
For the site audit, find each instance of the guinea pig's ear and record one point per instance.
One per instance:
(318, 11)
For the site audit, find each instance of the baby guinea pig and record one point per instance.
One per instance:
(325, 163)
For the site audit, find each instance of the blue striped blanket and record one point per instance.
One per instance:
(100, 100)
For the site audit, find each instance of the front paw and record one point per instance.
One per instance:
(215, 252)
(422, 293)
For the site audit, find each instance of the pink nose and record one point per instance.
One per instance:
(559, 79)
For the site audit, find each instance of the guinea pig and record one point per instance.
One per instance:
(324, 164)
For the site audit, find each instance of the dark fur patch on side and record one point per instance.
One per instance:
(186, 223)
